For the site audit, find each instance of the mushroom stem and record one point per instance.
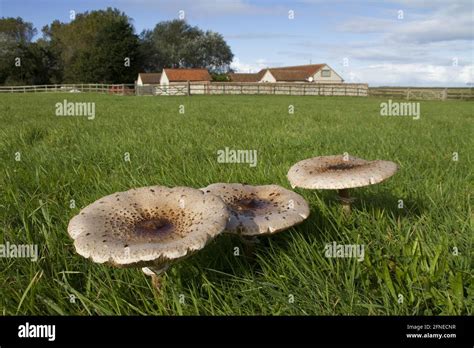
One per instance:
(249, 243)
(156, 280)
(156, 274)
(345, 198)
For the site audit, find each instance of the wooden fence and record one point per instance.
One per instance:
(164, 90)
(121, 89)
(234, 88)
(421, 93)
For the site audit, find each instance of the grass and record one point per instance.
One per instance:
(408, 251)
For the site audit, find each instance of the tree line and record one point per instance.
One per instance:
(102, 47)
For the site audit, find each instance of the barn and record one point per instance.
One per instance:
(146, 79)
(183, 75)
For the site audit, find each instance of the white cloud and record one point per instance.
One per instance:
(440, 28)
(435, 53)
(367, 25)
(252, 67)
(260, 36)
(414, 74)
(206, 8)
(446, 21)
(417, 50)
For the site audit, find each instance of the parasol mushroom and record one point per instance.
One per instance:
(340, 172)
(259, 210)
(149, 227)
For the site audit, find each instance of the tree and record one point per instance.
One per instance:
(15, 30)
(212, 52)
(101, 46)
(98, 46)
(32, 69)
(54, 47)
(174, 44)
(21, 61)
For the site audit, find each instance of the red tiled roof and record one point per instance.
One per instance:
(290, 75)
(284, 73)
(238, 77)
(150, 78)
(178, 75)
(311, 69)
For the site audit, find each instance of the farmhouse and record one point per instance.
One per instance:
(184, 75)
(316, 73)
(312, 73)
(146, 79)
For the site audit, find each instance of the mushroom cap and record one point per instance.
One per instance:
(260, 210)
(147, 226)
(339, 172)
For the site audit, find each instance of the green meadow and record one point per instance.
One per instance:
(416, 228)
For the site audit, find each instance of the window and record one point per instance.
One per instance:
(325, 73)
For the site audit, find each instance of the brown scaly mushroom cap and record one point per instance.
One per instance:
(148, 226)
(260, 210)
(339, 172)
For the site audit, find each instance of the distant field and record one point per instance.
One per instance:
(418, 259)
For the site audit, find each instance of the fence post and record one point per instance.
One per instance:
(445, 94)
(408, 93)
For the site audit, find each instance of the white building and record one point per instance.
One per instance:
(145, 79)
(314, 73)
(184, 75)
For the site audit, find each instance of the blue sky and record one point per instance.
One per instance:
(392, 42)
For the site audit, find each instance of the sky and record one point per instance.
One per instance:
(383, 43)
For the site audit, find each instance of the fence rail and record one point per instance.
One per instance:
(423, 93)
(214, 88)
(234, 88)
(120, 89)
